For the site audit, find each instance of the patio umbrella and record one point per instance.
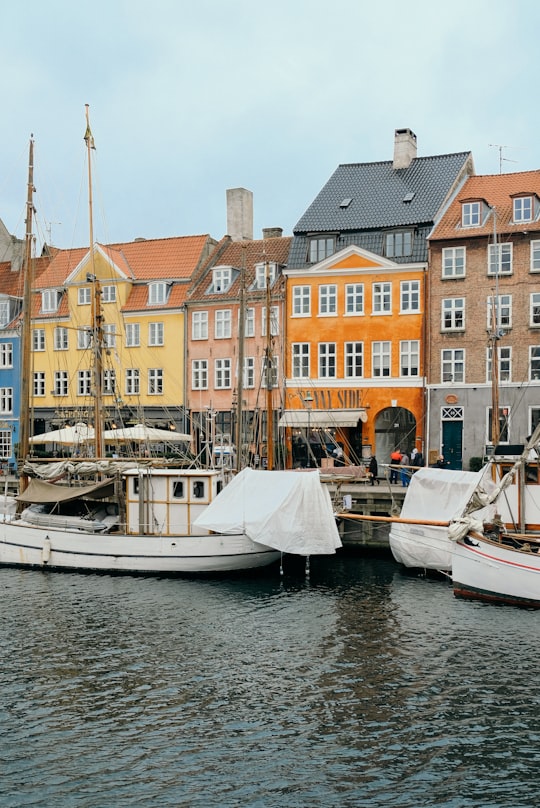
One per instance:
(67, 436)
(145, 434)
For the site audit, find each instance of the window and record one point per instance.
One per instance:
(410, 297)
(301, 301)
(452, 365)
(85, 296)
(328, 299)
(39, 383)
(108, 294)
(502, 316)
(221, 279)
(409, 357)
(222, 370)
(380, 358)
(6, 400)
(178, 489)
(60, 339)
(320, 248)
(273, 373)
(399, 244)
(249, 322)
(6, 354)
(535, 256)
(300, 360)
(354, 360)
(453, 262)
(500, 259)
(534, 318)
(155, 334)
(453, 314)
(199, 374)
(382, 298)
(199, 324)
(155, 382)
(327, 360)
(133, 382)
(60, 383)
(354, 298)
(133, 335)
(261, 273)
(84, 338)
(504, 425)
(470, 214)
(4, 313)
(274, 321)
(223, 324)
(109, 382)
(505, 364)
(50, 299)
(84, 383)
(6, 444)
(534, 363)
(157, 293)
(38, 339)
(109, 335)
(249, 372)
(523, 209)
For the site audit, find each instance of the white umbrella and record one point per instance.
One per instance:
(68, 435)
(143, 433)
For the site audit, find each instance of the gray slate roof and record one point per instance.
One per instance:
(377, 191)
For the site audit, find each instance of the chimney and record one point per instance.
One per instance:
(240, 214)
(404, 148)
(272, 232)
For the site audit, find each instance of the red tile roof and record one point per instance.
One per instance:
(497, 190)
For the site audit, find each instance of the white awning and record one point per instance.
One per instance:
(322, 418)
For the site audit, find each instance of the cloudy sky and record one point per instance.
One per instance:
(188, 99)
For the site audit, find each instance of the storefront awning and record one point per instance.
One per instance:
(322, 418)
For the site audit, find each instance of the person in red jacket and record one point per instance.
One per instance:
(395, 460)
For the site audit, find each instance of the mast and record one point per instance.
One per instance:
(494, 337)
(97, 316)
(240, 388)
(24, 417)
(269, 411)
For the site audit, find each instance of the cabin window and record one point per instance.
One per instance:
(198, 489)
(531, 473)
(135, 485)
(178, 489)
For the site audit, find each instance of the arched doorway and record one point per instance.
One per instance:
(395, 427)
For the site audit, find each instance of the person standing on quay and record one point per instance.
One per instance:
(395, 460)
(404, 470)
(373, 471)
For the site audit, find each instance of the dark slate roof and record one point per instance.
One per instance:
(377, 192)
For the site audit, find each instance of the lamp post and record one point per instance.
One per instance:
(308, 401)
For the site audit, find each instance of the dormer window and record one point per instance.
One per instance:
(157, 293)
(50, 298)
(399, 244)
(221, 279)
(321, 247)
(470, 214)
(523, 209)
(262, 271)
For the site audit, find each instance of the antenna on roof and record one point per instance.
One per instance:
(501, 158)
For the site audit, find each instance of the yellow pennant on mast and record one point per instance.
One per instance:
(88, 136)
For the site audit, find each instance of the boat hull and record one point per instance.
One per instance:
(44, 548)
(425, 547)
(487, 570)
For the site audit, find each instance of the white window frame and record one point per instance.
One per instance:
(157, 293)
(409, 296)
(471, 213)
(381, 359)
(108, 293)
(249, 322)
(327, 300)
(61, 383)
(301, 354)
(503, 314)
(84, 296)
(39, 383)
(6, 444)
(221, 279)
(453, 314)
(222, 374)
(409, 358)
(534, 310)
(321, 247)
(133, 335)
(155, 381)
(156, 334)
(452, 366)
(61, 338)
(109, 382)
(274, 321)
(109, 335)
(535, 255)
(523, 209)
(84, 338)
(534, 363)
(199, 374)
(222, 324)
(133, 381)
(6, 400)
(301, 301)
(327, 360)
(260, 275)
(6, 354)
(504, 357)
(382, 298)
(454, 262)
(50, 298)
(399, 243)
(505, 251)
(5, 316)
(38, 339)
(354, 299)
(84, 382)
(249, 372)
(199, 325)
(354, 360)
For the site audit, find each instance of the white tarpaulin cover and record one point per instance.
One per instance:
(289, 511)
(435, 495)
(143, 433)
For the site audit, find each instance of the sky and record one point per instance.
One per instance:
(188, 99)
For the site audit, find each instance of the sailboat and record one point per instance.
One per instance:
(136, 516)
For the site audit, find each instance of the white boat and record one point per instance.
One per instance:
(435, 497)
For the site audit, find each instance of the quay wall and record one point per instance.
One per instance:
(377, 500)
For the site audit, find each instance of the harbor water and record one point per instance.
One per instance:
(355, 686)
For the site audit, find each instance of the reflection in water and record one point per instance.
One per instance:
(357, 686)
